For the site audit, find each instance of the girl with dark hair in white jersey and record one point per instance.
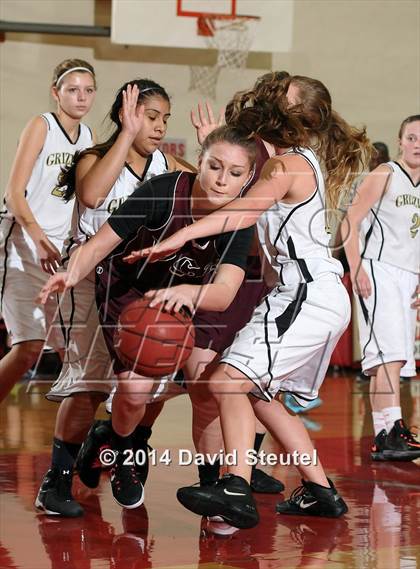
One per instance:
(288, 342)
(385, 274)
(36, 221)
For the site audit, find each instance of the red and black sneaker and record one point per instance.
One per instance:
(379, 444)
(401, 444)
(127, 488)
(88, 464)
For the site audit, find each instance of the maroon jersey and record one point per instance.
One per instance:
(217, 330)
(157, 209)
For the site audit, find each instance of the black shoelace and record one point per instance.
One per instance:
(297, 494)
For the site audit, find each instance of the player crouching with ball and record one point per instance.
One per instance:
(159, 208)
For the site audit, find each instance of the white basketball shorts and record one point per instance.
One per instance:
(87, 366)
(21, 280)
(387, 323)
(287, 345)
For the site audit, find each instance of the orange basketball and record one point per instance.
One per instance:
(152, 342)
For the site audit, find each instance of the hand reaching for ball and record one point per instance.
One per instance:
(174, 298)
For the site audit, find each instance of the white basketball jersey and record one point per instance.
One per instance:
(294, 237)
(87, 221)
(43, 196)
(391, 231)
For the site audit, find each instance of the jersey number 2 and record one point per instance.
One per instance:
(416, 225)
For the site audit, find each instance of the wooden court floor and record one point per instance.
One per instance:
(381, 530)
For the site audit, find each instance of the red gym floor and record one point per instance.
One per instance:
(381, 530)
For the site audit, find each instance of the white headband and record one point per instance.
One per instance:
(71, 71)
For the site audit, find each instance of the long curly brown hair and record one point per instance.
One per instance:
(264, 110)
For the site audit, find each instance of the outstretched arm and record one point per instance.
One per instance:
(276, 179)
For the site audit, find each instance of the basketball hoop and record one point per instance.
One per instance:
(232, 37)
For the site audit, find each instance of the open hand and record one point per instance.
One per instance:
(159, 251)
(57, 283)
(204, 125)
(131, 114)
(173, 298)
(48, 254)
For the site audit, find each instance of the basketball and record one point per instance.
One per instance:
(153, 342)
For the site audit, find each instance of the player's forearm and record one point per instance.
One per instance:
(81, 264)
(16, 203)
(233, 217)
(214, 296)
(93, 188)
(86, 257)
(351, 242)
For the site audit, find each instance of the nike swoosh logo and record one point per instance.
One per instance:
(233, 493)
(306, 505)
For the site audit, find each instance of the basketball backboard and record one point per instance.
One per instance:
(173, 23)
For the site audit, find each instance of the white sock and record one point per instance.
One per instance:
(378, 422)
(391, 414)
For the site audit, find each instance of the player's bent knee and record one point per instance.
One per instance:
(28, 353)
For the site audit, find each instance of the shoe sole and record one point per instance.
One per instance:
(306, 513)
(201, 507)
(39, 506)
(401, 456)
(378, 456)
(131, 506)
(218, 519)
(302, 410)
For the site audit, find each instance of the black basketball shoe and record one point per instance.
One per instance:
(376, 451)
(401, 444)
(55, 497)
(311, 499)
(126, 487)
(230, 498)
(87, 463)
(263, 483)
(141, 450)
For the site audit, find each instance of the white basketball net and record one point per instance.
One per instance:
(232, 39)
